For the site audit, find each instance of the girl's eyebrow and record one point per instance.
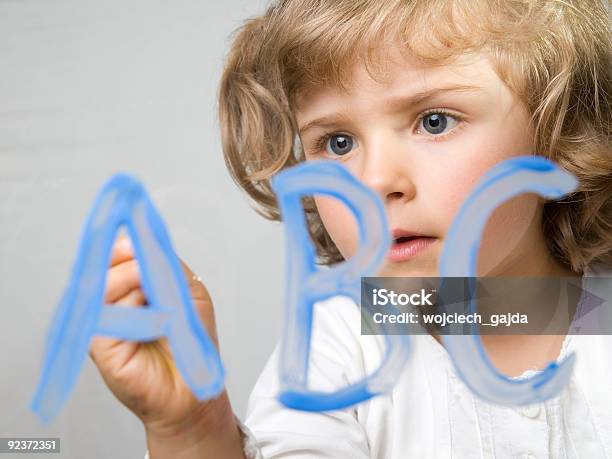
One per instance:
(402, 102)
(394, 104)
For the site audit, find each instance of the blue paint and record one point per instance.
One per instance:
(525, 174)
(81, 313)
(307, 284)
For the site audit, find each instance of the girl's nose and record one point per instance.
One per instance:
(385, 169)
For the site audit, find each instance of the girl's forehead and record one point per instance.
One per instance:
(402, 75)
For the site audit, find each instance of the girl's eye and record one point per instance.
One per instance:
(338, 144)
(436, 123)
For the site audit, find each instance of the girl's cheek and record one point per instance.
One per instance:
(454, 183)
(511, 233)
(510, 228)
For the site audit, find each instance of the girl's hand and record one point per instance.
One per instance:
(143, 376)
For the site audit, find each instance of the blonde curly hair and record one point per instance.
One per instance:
(555, 55)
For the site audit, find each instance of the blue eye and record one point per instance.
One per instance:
(436, 122)
(339, 144)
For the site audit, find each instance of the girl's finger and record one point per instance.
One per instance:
(121, 280)
(122, 251)
(135, 298)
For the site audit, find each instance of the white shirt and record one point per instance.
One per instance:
(430, 413)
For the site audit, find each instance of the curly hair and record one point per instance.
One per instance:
(555, 55)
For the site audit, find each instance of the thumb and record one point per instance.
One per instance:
(202, 302)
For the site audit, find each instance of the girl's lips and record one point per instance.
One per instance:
(405, 250)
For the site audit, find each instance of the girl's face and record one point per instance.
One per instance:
(421, 140)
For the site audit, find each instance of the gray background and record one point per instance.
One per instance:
(89, 88)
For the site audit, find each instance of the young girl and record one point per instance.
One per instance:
(417, 99)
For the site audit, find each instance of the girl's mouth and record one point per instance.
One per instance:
(407, 247)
